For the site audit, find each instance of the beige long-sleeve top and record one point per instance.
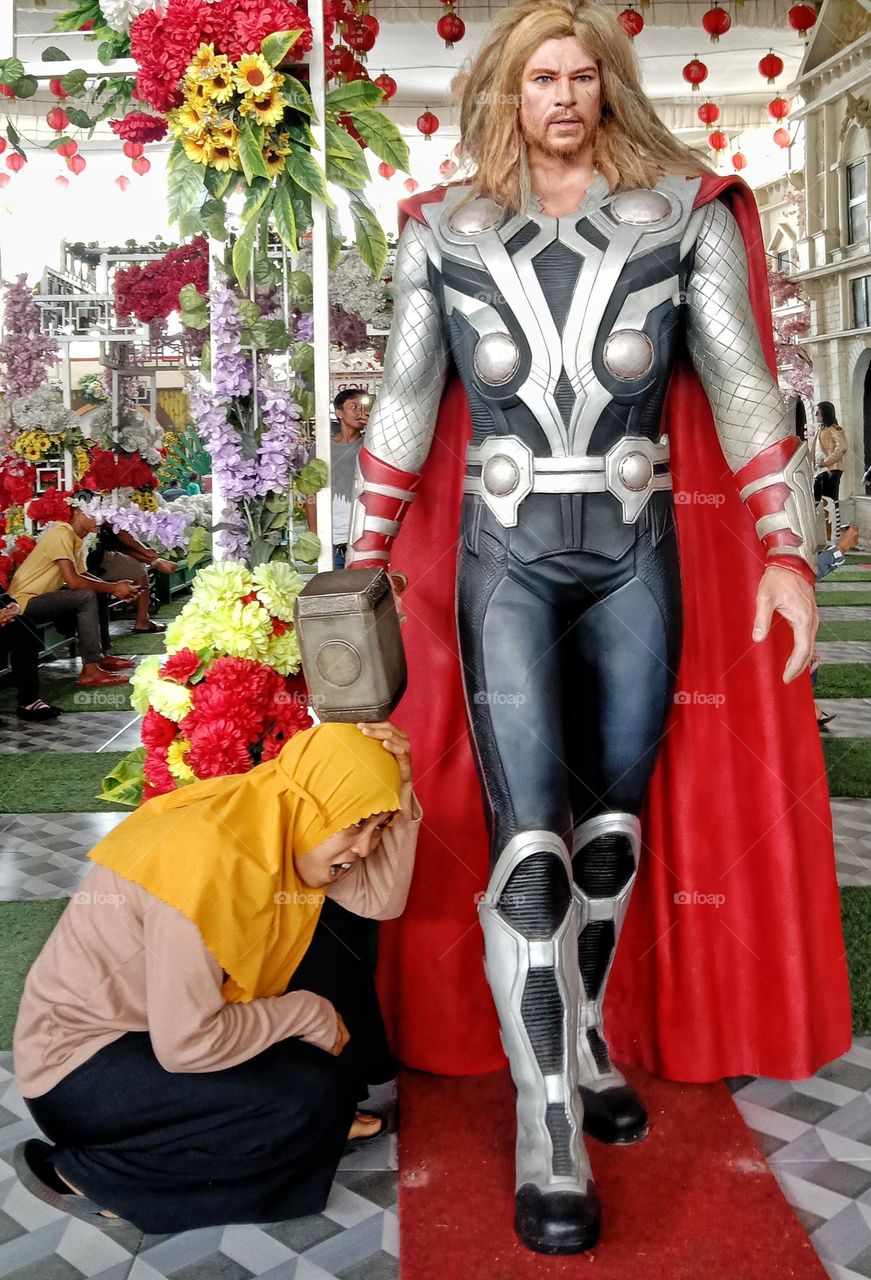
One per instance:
(120, 959)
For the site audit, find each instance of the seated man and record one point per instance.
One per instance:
(118, 557)
(21, 643)
(57, 561)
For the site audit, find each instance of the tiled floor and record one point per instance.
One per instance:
(845, 613)
(108, 731)
(840, 651)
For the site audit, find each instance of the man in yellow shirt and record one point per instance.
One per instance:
(53, 584)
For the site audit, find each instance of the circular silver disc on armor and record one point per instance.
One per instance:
(496, 358)
(500, 475)
(628, 353)
(641, 208)
(338, 663)
(478, 215)
(636, 471)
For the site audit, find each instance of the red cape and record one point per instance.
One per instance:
(747, 978)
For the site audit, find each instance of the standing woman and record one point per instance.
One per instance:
(182, 1037)
(830, 451)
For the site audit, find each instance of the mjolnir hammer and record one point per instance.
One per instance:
(352, 654)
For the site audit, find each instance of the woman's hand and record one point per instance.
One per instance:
(342, 1038)
(394, 740)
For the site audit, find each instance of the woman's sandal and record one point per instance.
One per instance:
(153, 629)
(354, 1144)
(32, 1163)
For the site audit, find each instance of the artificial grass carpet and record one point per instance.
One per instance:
(848, 764)
(63, 692)
(856, 919)
(24, 927)
(844, 680)
(844, 631)
(57, 782)
(843, 599)
(129, 643)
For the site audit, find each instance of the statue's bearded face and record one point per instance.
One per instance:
(560, 99)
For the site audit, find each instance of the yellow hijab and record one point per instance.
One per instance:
(221, 850)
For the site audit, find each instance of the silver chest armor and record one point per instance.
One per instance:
(564, 332)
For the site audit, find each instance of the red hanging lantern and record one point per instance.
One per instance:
(358, 72)
(778, 108)
(77, 164)
(2, 145)
(801, 18)
(718, 140)
(6, 91)
(15, 162)
(122, 182)
(709, 114)
(344, 10)
(739, 161)
(132, 150)
(57, 119)
(631, 21)
(369, 20)
(57, 88)
(410, 185)
(770, 66)
(457, 149)
(447, 168)
(359, 37)
(694, 73)
(68, 148)
(716, 22)
(427, 123)
(451, 28)
(782, 138)
(140, 165)
(342, 61)
(62, 181)
(386, 170)
(387, 84)
(4, 179)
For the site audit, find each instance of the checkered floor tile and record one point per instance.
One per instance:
(828, 586)
(839, 651)
(845, 613)
(111, 731)
(852, 717)
(852, 822)
(44, 855)
(355, 1238)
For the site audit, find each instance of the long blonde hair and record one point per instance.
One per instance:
(633, 148)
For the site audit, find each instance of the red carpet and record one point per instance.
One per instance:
(695, 1201)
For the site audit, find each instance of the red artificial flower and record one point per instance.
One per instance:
(51, 505)
(289, 710)
(157, 731)
(181, 666)
(246, 24)
(275, 740)
(221, 703)
(7, 569)
(218, 749)
(251, 598)
(139, 126)
(163, 41)
(17, 482)
(280, 627)
(152, 292)
(157, 772)
(23, 547)
(108, 472)
(256, 681)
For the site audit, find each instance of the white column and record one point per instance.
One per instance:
(216, 254)
(321, 293)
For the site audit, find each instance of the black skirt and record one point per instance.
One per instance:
(258, 1142)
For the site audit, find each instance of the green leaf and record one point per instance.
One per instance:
(11, 69)
(190, 224)
(193, 308)
(251, 151)
(184, 186)
(284, 217)
(305, 171)
(12, 134)
(216, 183)
(369, 234)
(206, 360)
(306, 402)
(213, 214)
(382, 137)
(26, 87)
(303, 360)
(54, 54)
(350, 173)
(73, 19)
(125, 783)
(301, 290)
(106, 52)
(199, 546)
(74, 83)
(302, 206)
(297, 95)
(277, 504)
(312, 477)
(266, 272)
(335, 238)
(55, 142)
(340, 142)
(270, 334)
(275, 47)
(255, 195)
(353, 96)
(242, 252)
(307, 548)
(300, 131)
(80, 119)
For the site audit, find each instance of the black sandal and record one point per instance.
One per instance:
(153, 629)
(36, 1173)
(42, 711)
(354, 1144)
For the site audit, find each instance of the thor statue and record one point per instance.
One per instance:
(580, 459)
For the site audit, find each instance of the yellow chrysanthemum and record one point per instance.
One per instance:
(225, 582)
(170, 699)
(80, 461)
(242, 631)
(191, 630)
(277, 586)
(176, 762)
(202, 61)
(198, 149)
(253, 75)
(283, 653)
(142, 681)
(266, 110)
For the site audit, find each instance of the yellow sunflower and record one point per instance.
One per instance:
(225, 139)
(198, 148)
(190, 117)
(274, 159)
(201, 61)
(267, 110)
(254, 76)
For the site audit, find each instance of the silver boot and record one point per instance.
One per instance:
(530, 924)
(605, 859)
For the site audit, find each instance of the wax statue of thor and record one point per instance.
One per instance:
(588, 256)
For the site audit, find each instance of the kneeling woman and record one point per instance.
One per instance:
(159, 1044)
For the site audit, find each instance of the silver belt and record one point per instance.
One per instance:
(503, 471)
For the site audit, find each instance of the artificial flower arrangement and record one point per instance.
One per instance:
(225, 695)
(142, 516)
(14, 550)
(42, 424)
(52, 505)
(151, 292)
(26, 355)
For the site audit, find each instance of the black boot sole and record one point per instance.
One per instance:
(559, 1223)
